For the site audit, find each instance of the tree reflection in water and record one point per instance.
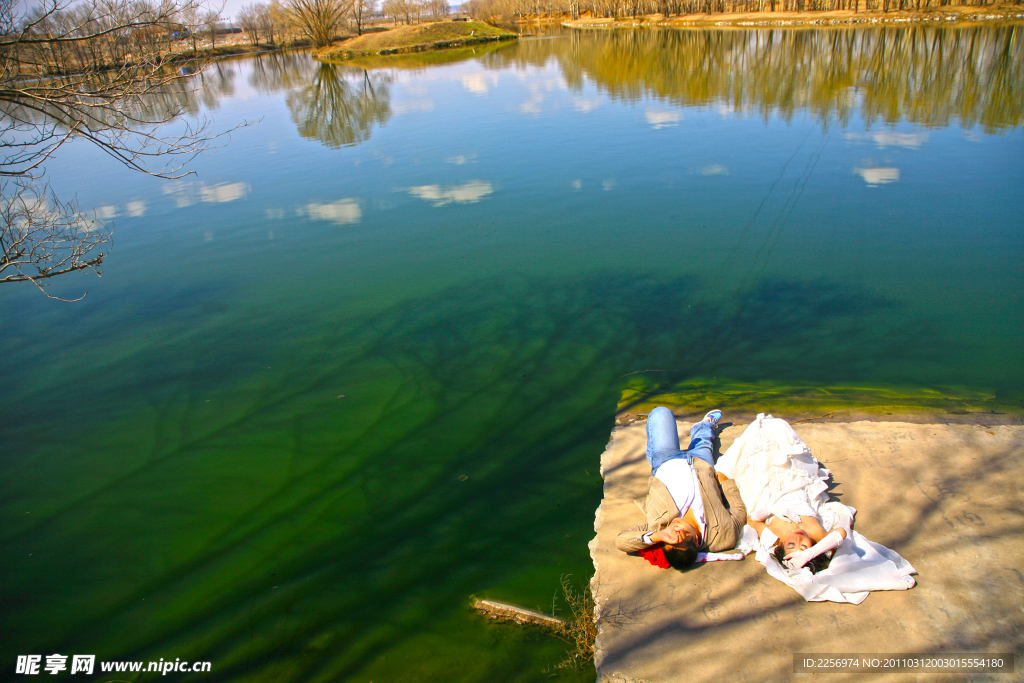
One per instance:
(337, 105)
(279, 71)
(340, 106)
(927, 75)
(184, 96)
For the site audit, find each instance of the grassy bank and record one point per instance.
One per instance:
(423, 37)
(230, 50)
(188, 58)
(849, 402)
(936, 15)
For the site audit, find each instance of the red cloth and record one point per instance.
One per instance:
(655, 556)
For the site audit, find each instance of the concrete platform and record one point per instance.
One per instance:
(948, 497)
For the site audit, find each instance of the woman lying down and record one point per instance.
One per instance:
(802, 538)
(794, 532)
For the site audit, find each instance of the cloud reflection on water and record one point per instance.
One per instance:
(188, 193)
(479, 83)
(890, 138)
(662, 118)
(467, 193)
(878, 176)
(342, 212)
(135, 209)
(714, 169)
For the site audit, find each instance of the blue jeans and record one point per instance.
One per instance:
(663, 440)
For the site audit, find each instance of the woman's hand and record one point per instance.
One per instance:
(788, 514)
(830, 542)
(781, 511)
(799, 559)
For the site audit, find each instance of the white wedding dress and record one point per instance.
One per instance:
(771, 464)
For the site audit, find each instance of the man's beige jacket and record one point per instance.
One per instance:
(724, 512)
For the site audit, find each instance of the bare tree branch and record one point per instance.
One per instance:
(41, 238)
(92, 70)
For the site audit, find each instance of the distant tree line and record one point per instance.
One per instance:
(518, 10)
(409, 11)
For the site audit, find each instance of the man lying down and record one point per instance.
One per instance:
(689, 506)
(799, 535)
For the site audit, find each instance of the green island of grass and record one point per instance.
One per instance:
(439, 35)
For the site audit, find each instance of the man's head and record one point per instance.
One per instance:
(682, 544)
(682, 555)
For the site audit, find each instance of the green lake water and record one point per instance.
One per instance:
(362, 365)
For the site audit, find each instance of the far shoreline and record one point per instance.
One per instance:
(952, 15)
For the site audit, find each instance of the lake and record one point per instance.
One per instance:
(362, 365)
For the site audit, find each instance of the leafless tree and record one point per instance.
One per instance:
(250, 21)
(190, 18)
(282, 19)
(319, 19)
(392, 9)
(271, 20)
(266, 20)
(89, 72)
(361, 9)
(400, 9)
(437, 9)
(211, 21)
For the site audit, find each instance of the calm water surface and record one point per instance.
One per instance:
(362, 365)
